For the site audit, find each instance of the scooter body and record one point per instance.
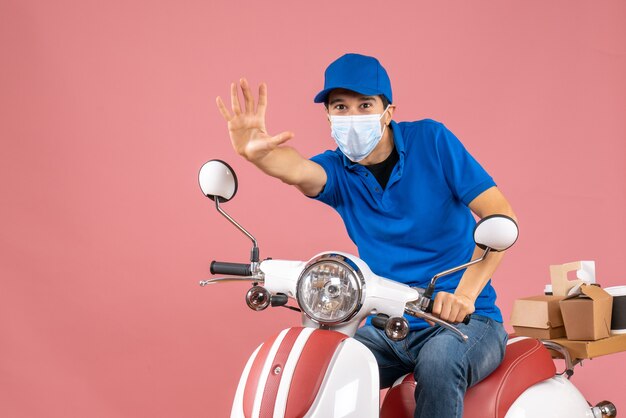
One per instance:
(319, 370)
(556, 397)
(307, 372)
(314, 371)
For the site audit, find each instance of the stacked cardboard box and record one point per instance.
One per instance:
(538, 317)
(578, 309)
(587, 313)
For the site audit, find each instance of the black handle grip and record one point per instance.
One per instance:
(429, 309)
(279, 299)
(380, 321)
(232, 269)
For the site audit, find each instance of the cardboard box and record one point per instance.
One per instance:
(587, 313)
(538, 317)
(561, 285)
(592, 349)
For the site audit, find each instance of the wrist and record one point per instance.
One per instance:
(465, 296)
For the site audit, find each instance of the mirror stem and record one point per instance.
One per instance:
(254, 254)
(431, 287)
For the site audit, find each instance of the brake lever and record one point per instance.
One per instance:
(418, 313)
(231, 279)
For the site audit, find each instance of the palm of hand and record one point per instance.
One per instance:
(248, 135)
(246, 125)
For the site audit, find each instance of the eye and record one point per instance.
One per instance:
(366, 105)
(340, 107)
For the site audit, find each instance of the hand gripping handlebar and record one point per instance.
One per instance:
(429, 309)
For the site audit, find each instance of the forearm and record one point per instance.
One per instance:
(476, 277)
(287, 165)
(490, 202)
(282, 162)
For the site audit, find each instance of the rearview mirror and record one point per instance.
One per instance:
(217, 179)
(497, 232)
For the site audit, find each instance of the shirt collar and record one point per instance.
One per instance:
(397, 140)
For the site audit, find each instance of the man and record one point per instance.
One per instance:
(405, 192)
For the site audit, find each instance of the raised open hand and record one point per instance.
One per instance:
(247, 126)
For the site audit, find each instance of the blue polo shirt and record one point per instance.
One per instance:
(420, 224)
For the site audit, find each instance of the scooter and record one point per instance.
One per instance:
(319, 370)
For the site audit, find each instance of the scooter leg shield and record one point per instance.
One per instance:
(307, 372)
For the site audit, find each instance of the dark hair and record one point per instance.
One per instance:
(382, 97)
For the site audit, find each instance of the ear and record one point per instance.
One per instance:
(327, 115)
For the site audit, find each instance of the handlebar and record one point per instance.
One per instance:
(380, 321)
(415, 311)
(233, 269)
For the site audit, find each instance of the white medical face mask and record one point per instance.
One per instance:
(357, 135)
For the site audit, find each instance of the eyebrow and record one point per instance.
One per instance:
(362, 99)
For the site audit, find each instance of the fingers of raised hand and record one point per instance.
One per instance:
(222, 108)
(262, 105)
(236, 106)
(281, 138)
(248, 100)
(247, 95)
(234, 99)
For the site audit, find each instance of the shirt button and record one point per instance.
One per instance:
(377, 190)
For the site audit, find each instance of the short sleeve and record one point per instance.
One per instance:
(464, 175)
(331, 163)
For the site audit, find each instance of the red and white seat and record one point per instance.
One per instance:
(526, 362)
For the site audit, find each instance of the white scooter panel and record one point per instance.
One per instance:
(308, 372)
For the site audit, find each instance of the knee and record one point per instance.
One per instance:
(437, 368)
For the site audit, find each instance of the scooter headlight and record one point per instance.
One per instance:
(330, 289)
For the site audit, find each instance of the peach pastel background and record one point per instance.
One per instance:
(107, 112)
